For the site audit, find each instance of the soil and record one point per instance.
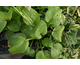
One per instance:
(5, 54)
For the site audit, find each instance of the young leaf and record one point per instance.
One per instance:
(40, 28)
(73, 27)
(14, 26)
(31, 17)
(57, 33)
(40, 55)
(58, 46)
(73, 38)
(2, 24)
(19, 43)
(54, 52)
(47, 42)
(30, 52)
(47, 54)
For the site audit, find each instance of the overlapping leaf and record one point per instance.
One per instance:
(6, 15)
(43, 55)
(57, 33)
(73, 38)
(30, 17)
(40, 28)
(47, 42)
(30, 52)
(2, 24)
(14, 26)
(18, 43)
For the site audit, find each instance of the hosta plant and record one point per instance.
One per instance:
(28, 33)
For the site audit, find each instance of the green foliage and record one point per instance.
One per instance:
(44, 32)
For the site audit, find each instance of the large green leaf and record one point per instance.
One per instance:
(18, 43)
(73, 38)
(30, 17)
(6, 15)
(57, 33)
(14, 26)
(47, 42)
(40, 28)
(2, 24)
(13, 38)
(54, 52)
(52, 12)
(30, 52)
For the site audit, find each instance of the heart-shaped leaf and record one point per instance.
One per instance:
(30, 52)
(40, 55)
(40, 28)
(57, 46)
(2, 24)
(18, 43)
(54, 52)
(57, 33)
(14, 26)
(47, 42)
(43, 55)
(52, 12)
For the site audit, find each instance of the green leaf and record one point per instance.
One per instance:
(58, 46)
(9, 34)
(26, 30)
(30, 52)
(55, 21)
(43, 55)
(57, 33)
(14, 26)
(30, 17)
(18, 44)
(40, 28)
(52, 12)
(40, 55)
(2, 24)
(13, 38)
(6, 15)
(47, 54)
(73, 27)
(73, 38)
(54, 52)
(47, 42)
